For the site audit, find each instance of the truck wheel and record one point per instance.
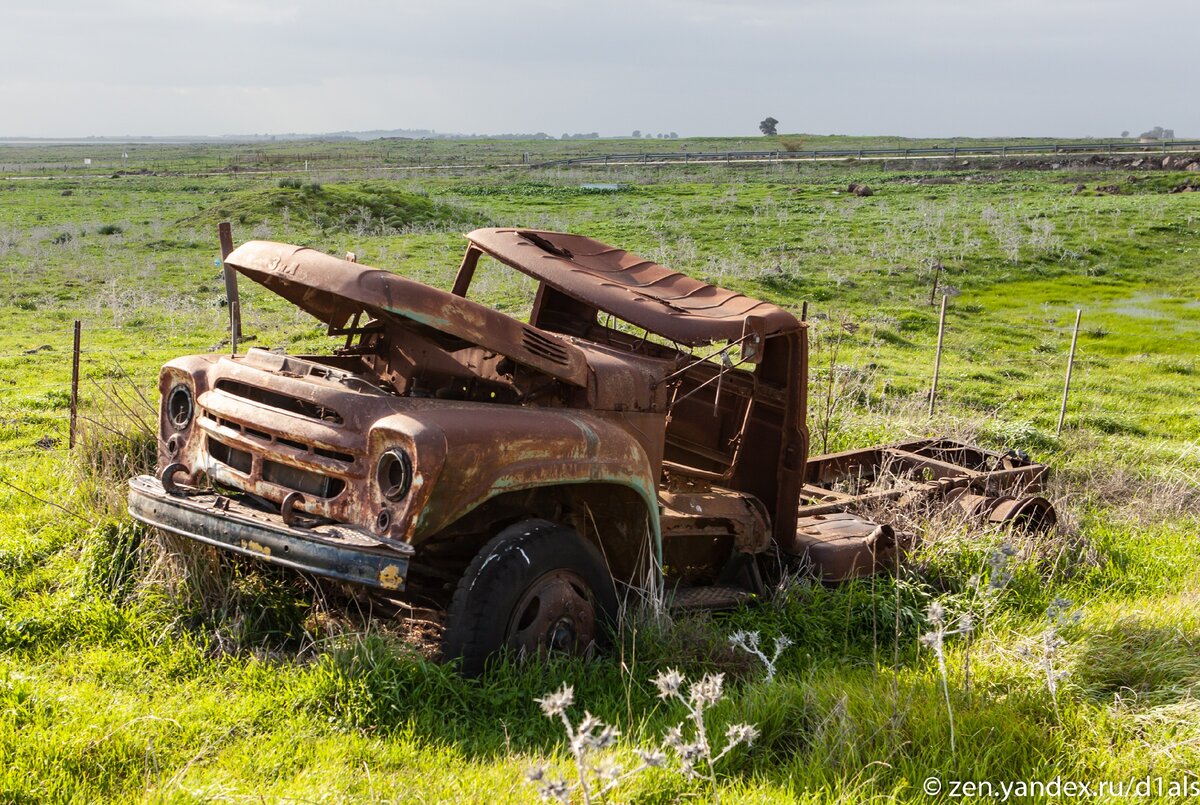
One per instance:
(535, 588)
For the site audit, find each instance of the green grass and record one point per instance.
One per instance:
(201, 680)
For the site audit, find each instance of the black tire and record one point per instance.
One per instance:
(536, 587)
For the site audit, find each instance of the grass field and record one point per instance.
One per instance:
(128, 673)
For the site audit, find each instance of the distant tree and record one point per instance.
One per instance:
(1125, 133)
(673, 136)
(637, 134)
(566, 136)
(767, 127)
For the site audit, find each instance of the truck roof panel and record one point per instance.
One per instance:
(632, 288)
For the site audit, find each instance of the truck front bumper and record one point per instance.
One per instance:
(335, 551)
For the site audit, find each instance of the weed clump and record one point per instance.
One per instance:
(688, 741)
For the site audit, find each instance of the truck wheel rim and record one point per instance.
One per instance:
(555, 614)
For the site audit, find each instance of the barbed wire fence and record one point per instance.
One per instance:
(108, 399)
(99, 392)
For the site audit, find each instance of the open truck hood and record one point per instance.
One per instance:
(334, 290)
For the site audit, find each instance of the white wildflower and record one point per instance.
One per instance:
(668, 683)
(652, 758)
(936, 613)
(746, 639)
(707, 691)
(741, 733)
(555, 789)
(749, 642)
(589, 724)
(606, 737)
(607, 770)
(556, 704)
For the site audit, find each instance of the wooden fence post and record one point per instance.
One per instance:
(231, 287)
(1062, 411)
(937, 360)
(74, 386)
(937, 277)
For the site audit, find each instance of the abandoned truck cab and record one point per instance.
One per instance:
(519, 474)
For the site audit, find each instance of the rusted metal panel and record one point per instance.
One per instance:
(462, 452)
(1031, 512)
(716, 512)
(439, 420)
(913, 471)
(332, 551)
(633, 288)
(334, 290)
(843, 545)
(487, 454)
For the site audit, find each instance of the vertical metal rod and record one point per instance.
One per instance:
(937, 276)
(804, 311)
(937, 360)
(74, 386)
(1062, 411)
(231, 287)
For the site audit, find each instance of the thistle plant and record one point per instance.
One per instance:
(594, 776)
(690, 742)
(1058, 615)
(749, 642)
(999, 576)
(936, 640)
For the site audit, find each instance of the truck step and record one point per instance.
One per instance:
(693, 599)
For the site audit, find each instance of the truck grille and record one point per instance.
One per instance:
(274, 472)
(283, 402)
(336, 455)
(239, 460)
(310, 483)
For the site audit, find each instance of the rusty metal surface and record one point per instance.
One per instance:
(1032, 513)
(707, 598)
(463, 452)
(715, 512)
(439, 420)
(554, 614)
(842, 545)
(910, 472)
(334, 551)
(759, 438)
(334, 290)
(633, 288)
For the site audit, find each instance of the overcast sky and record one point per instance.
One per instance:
(917, 68)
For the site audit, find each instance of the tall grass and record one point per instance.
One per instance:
(138, 667)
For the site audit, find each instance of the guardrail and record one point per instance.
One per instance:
(949, 151)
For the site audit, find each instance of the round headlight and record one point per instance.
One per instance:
(394, 474)
(180, 407)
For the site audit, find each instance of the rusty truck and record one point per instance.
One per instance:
(641, 429)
